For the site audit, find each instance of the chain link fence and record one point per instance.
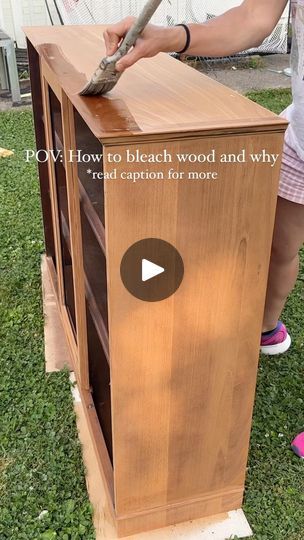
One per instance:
(170, 12)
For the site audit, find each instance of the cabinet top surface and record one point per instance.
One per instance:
(158, 97)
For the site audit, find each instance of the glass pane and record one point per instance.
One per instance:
(68, 283)
(89, 148)
(56, 121)
(64, 224)
(41, 144)
(99, 373)
(47, 216)
(94, 267)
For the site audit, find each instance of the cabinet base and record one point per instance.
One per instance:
(57, 353)
(216, 527)
(219, 527)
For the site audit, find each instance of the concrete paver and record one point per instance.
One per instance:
(244, 80)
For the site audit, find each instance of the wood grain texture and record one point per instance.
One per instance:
(156, 96)
(57, 353)
(103, 515)
(105, 469)
(99, 475)
(56, 223)
(34, 62)
(211, 506)
(52, 182)
(76, 242)
(184, 370)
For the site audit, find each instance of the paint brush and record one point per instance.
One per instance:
(106, 76)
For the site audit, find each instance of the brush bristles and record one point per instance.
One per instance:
(103, 80)
(94, 89)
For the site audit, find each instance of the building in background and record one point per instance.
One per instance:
(17, 13)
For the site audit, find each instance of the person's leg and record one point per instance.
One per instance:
(284, 263)
(297, 445)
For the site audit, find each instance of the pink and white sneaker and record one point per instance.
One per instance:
(277, 341)
(297, 445)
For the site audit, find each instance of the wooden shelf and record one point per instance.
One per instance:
(93, 218)
(88, 207)
(101, 335)
(93, 306)
(50, 285)
(98, 319)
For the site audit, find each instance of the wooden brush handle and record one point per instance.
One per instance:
(136, 29)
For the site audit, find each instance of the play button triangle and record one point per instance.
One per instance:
(139, 269)
(149, 270)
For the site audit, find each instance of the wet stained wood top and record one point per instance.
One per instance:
(159, 97)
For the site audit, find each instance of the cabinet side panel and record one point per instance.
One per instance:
(183, 370)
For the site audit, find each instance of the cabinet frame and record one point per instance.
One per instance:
(79, 349)
(165, 468)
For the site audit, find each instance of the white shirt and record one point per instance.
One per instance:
(295, 112)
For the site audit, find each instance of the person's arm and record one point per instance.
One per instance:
(238, 29)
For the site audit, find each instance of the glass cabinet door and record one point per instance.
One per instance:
(62, 203)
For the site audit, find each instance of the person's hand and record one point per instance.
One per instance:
(153, 39)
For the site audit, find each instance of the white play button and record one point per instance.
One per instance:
(149, 270)
(147, 259)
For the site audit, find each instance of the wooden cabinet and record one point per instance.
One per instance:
(168, 385)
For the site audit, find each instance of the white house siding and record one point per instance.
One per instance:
(6, 17)
(17, 13)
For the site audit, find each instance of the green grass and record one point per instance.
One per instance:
(40, 459)
(256, 62)
(275, 100)
(274, 500)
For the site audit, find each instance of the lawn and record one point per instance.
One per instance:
(42, 484)
(40, 458)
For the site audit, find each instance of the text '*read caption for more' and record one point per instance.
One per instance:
(156, 166)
